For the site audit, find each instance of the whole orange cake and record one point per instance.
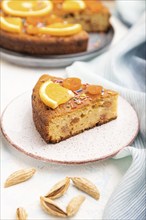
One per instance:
(50, 27)
(66, 107)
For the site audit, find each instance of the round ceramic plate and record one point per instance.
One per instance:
(92, 145)
(98, 43)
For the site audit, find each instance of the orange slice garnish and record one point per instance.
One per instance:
(61, 29)
(72, 83)
(73, 5)
(11, 24)
(94, 89)
(53, 95)
(25, 8)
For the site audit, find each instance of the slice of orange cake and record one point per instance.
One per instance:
(65, 107)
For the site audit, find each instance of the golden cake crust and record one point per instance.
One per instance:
(43, 115)
(45, 44)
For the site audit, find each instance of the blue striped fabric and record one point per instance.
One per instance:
(125, 71)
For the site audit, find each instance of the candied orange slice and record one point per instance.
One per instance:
(61, 29)
(72, 83)
(35, 20)
(53, 19)
(94, 89)
(58, 1)
(44, 19)
(30, 29)
(52, 94)
(73, 5)
(24, 8)
(94, 5)
(11, 24)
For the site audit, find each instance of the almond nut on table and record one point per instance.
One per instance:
(86, 186)
(59, 189)
(74, 205)
(19, 176)
(51, 207)
(21, 214)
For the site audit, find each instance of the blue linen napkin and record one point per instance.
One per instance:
(130, 10)
(123, 69)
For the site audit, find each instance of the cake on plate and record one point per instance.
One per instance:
(63, 108)
(50, 27)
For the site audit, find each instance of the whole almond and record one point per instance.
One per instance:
(51, 207)
(21, 214)
(74, 205)
(19, 176)
(86, 186)
(59, 189)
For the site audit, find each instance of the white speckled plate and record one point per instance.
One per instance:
(92, 145)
